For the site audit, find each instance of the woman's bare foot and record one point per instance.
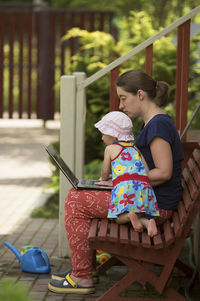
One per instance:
(82, 282)
(135, 221)
(152, 228)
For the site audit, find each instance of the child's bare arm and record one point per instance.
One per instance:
(106, 167)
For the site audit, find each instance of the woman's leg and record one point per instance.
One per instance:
(80, 207)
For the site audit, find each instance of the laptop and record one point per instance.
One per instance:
(76, 183)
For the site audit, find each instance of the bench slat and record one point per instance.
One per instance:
(186, 197)
(182, 213)
(176, 224)
(123, 234)
(113, 232)
(168, 234)
(157, 240)
(192, 187)
(134, 237)
(196, 156)
(146, 241)
(102, 234)
(93, 229)
(195, 170)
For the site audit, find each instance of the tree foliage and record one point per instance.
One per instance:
(162, 12)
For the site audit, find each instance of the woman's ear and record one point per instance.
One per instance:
(140, 94)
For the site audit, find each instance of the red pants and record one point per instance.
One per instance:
(80, 207)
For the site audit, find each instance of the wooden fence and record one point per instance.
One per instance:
(32, 57)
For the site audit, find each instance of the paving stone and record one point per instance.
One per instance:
(54, 298)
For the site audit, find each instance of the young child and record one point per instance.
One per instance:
(132, 197)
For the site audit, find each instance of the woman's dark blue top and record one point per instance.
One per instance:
(169, 193)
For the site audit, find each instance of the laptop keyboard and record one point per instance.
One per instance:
(88, 182)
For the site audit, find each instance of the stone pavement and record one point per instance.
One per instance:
(25, 168)
(24, 172)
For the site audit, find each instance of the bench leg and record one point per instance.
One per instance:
(108, 264)
(139, 272)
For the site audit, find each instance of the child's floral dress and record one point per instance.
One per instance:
(131, 189)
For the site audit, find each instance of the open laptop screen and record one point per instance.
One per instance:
(62, 165)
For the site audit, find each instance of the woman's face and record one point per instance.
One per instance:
(129, 103)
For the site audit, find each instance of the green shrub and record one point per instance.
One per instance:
(50, 209)
(92, 170)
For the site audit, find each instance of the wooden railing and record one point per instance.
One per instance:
(32, 57)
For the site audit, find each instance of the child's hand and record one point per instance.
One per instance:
(104, 183)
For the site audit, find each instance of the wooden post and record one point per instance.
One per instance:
(182, 76)
(114, 102)
(72, 142)
(44, 66)
(80, 126)
(67, 149)
(149, 59)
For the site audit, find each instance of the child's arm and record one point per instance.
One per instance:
(106, 167)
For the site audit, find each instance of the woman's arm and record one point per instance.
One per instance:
(163, 161)
(106, 167)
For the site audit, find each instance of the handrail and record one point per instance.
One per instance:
(137, 49)
(190, 121)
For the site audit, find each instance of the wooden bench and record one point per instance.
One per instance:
(140, 253)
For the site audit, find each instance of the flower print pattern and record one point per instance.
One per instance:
(136, 185)
(119, 169)
(137, 156)
(112, 208)
(125, 144)
(141, 208)
(139, 166)
(141, 196)
(130, 168)
(127, 199)
(121, 190)
(126, 156)
(146, 185)
(114, 192)
(135, 194)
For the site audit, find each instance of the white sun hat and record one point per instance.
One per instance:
(116, 124)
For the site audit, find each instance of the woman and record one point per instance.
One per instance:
(140, 96)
